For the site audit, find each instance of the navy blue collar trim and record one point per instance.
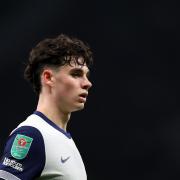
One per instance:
(52, 124)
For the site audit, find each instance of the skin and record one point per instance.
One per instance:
(64, 91)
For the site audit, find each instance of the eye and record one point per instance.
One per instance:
(76, 74)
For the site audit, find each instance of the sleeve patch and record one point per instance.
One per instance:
(21, 146)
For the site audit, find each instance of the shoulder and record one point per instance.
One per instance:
(25, 137)
(23, 151)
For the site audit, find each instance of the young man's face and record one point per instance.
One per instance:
(70, 87)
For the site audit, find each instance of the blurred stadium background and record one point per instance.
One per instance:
(130, 128)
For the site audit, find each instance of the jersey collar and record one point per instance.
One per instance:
(40, 114)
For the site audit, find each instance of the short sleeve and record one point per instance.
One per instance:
(24, 155)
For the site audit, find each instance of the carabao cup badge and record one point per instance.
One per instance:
(21, 146)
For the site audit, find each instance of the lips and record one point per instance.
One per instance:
(82, 97)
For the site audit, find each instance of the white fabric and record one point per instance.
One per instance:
(58, 148)
(7, 176)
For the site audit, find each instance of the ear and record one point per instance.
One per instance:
(47, 77)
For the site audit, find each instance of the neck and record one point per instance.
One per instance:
(50, 110)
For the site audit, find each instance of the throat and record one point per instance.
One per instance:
(60, 119)
(49, 108)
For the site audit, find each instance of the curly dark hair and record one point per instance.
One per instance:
(55, 52)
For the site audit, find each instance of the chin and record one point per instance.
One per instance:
(78, 107)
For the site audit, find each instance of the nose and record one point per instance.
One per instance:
(86, 84)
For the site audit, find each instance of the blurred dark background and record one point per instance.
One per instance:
(130, 128)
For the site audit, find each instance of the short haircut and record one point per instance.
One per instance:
(55, 52)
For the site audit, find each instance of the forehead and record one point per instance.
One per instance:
(74, 66)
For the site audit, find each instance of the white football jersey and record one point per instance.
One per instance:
(39, 149)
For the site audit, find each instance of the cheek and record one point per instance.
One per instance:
(67, 87)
